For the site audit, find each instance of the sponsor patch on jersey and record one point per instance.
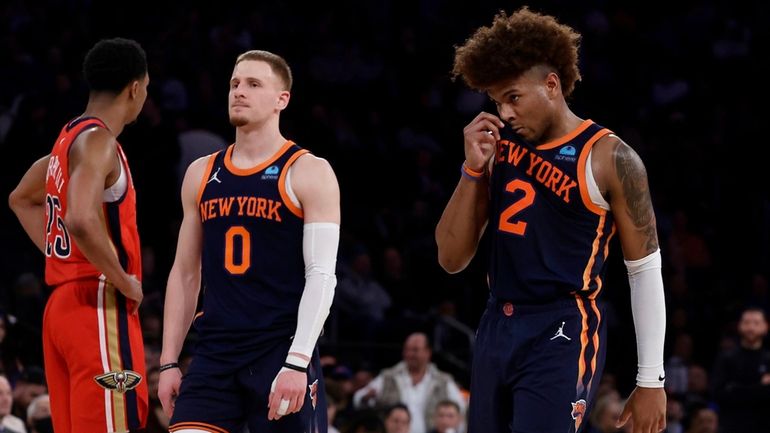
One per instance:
(271, 173)
(566, 153)
(119, 381)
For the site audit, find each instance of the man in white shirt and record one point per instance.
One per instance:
(415, 382)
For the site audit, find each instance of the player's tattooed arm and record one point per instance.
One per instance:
(633, 178)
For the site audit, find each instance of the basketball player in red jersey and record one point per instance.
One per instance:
(78, 205)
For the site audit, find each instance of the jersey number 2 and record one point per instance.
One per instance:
(232, 233)
(60, 245)
(518, 227)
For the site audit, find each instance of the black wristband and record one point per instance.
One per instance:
(295, 367)
(168, 366)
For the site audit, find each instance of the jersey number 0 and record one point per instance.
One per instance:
(245, 240)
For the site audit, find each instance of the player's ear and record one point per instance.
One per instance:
(552, 84)
(283, 100)
(133, 89)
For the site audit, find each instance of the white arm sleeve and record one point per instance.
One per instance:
(648, 306)
(319, 248)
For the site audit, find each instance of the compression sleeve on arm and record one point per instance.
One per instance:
(319, 248)
(648, 306)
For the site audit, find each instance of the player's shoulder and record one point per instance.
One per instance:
(312, 164)
(612, 148)
(95, 136)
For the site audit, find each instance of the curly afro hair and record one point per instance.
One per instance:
(515, 43)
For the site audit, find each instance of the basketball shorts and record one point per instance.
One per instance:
(217, 402)
(94, 360)
(536, 367)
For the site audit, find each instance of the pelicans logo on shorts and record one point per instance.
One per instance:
(119, 381)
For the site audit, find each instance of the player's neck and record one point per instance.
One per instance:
(565, 123)
(255, 145)
(108, 111)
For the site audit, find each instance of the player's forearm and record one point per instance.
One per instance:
(179, 311)
(319, 250)
(30, 216)
(461, 225)
(648, 307)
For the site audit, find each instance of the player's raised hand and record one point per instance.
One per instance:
(646, 408)
(168, 389)
(481, 136)
(287, 393)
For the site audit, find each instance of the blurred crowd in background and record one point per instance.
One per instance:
(681, 82)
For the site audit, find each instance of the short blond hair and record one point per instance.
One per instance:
(277, 64)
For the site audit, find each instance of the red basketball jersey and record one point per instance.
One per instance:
(64, 260)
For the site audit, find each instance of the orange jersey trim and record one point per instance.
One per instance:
(204, 178)
(581, 172)
(561, 140)
(259, 167)
(594, 252)
(196, 426)
(596, 343)
(282, 184)
(583, 345)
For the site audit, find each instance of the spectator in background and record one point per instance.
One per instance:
(366, 421)
(30, 385)
(698, 391)
(447, 418)
(360, 299)
(397, 419)
(8, 422)
(39, 415)
(678, 363)
(705, 420)
(331, 413)
(9, 362)
(674, 416)
(605, 414)
(157, 420)
(414, 381)
(741, 378)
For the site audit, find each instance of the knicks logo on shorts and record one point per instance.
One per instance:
(578, 410)
(119, 381)
(313, 393)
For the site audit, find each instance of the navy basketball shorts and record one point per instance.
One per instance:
(225, 403)
(536, 367)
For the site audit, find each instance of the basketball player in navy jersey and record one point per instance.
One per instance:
(551, 188)
(261, 223)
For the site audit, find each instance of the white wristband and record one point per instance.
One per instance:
(296, 360)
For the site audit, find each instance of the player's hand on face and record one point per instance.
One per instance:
(133, 291)
(646, 408)
(288, 386)
(168, 389)
(481, 136)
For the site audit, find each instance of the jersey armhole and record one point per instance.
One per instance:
(289, 198)
(206, 172)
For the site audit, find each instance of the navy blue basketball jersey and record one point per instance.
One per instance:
(252, 263)
(548, 239)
